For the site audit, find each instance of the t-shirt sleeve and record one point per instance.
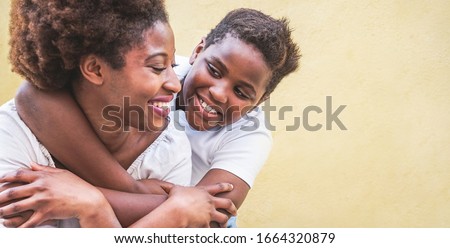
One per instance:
(15, 148)
(182, 67)
(243, 154)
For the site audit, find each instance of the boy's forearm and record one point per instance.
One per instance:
(164, 217)
(56, 120)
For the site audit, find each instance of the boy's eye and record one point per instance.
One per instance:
(241, 93)
(213, 70)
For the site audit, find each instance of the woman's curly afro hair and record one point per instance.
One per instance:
(49, 37)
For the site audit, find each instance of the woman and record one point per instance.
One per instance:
(101, 52)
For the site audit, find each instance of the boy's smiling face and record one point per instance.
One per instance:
(226, 80)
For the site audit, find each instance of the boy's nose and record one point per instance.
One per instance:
(219, 93)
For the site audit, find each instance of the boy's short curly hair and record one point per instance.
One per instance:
(272, 37)
(49, 37)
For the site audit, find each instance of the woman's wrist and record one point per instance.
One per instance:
(179, 211)
(98, 213)
(175, 216)
(167, 215)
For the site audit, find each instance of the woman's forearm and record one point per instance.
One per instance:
(130, 207)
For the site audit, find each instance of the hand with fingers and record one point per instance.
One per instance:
(45, 194)
(207, 194)
(17, 219)
(54, 194)
(191, 207)
(155, 186)
(222, 205)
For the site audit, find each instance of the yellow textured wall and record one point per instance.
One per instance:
(9, 81)
(389, 63)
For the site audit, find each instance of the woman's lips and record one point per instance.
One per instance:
(161, 105)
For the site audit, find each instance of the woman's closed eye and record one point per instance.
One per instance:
(160, 69)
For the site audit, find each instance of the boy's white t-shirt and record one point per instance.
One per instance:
(241, 148)
(167, 158)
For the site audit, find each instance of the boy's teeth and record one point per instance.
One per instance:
(207, 107)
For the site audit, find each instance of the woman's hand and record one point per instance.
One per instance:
(220, 203)
(55, 194)
(16, 219)
(203, 200)
(190, 207)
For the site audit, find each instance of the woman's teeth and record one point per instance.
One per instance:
(207, 108)
(162, 105)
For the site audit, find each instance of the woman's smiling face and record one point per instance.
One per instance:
(144, 87)
(226, 80)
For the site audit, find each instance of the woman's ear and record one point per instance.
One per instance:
(91, 68)
(197, 50)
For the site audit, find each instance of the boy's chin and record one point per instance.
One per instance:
(204, 126)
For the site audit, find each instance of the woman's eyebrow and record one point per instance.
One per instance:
(151, 56)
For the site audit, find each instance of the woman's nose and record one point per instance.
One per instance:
(172, 83)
